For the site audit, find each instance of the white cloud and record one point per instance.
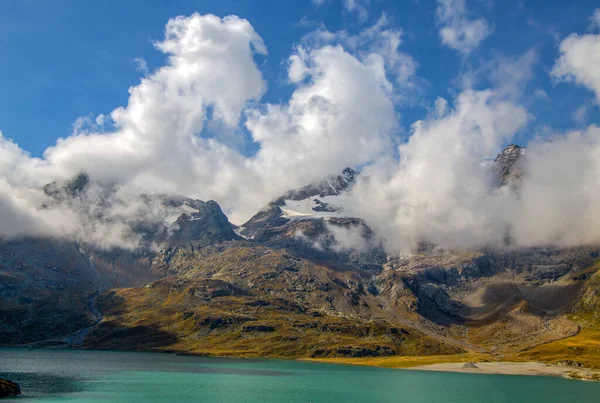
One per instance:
(595, 19)
(560, 194)
(381, 40)
(340, 115)
(164, 139)
(579, 61)
(511, 75)
(359, 7)
(457, 30)
(350, 238)
(141, 65)
(540, 93)
(580, 114)
(439, 190)
(172, 137)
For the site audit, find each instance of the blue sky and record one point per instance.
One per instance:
(240, 101)
(69, 58)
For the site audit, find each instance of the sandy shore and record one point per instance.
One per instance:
(514, 368)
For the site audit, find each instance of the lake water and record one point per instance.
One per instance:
(95, 376)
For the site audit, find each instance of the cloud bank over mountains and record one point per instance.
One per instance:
(177, 135)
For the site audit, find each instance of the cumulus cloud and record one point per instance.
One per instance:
(457, 30)
(340, 115)
(169, 138)
(579, 61)
(439, 191)
(176, 135)
(381, 40)
(560, 192)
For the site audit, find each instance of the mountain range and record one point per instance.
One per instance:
(302, 278)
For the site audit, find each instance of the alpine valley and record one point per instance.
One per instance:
(284, 284)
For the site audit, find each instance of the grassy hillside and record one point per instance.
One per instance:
(240, 299)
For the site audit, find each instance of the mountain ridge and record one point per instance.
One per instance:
(283, 285)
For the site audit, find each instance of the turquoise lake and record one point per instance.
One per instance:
(98, 376)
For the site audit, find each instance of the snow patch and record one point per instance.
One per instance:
(299, 209)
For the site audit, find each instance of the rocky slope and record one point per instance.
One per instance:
(48, 286)
(242, 299)
(283, 284)
(307, 220)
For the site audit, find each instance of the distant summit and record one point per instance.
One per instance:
(508, 163)
(70, 188)
(332, 185)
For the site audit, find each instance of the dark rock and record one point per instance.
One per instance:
(258, 303)
(209, 225)
(436, 305)
(218, 322)
(324, 207)
(354, 351)
(258, 328)
(508, 163)
(8, 388)
(330, 186)
(354, 297)
(547, 272)
(569, 363)
(70, 188)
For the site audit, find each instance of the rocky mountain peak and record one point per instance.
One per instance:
(331, 185)
(507, 163)
(206, 225)
(70, 188)
(510, 154)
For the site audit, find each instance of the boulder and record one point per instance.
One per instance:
(469, 365)
(8, 388)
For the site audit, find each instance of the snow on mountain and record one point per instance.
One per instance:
(315, 207)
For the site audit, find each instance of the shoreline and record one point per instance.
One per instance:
(476, 364)
(529, 368)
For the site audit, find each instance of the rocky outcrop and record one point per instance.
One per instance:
(313, 234)
(330, 186)
(9, 389)
(61, 191)
(206, 226)
(508, 164)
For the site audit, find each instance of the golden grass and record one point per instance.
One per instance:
(407, 361)
(296, 332)
(584, 347)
